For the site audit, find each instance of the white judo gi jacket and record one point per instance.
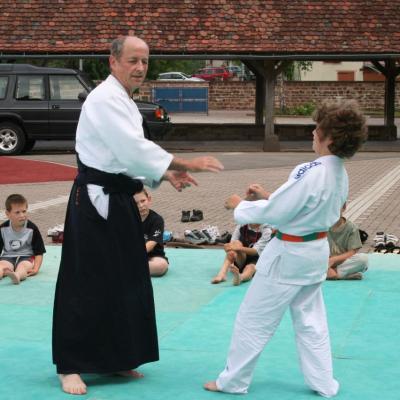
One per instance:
(110, 138)
(310, 201)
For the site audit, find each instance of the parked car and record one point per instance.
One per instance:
(177, 76)
(235, 70)
(248, 75)
(213, 73)
(38, 103)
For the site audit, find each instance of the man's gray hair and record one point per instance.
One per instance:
(117, 46)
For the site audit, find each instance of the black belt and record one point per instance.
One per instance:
(112, 183)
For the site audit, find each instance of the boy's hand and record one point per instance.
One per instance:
(233, 247)
(32, 272)
(256, 192)
(232, 201)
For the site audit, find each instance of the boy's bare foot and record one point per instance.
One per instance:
(130, 374)
(231, 256)
(72, 384)
(12, 275)
(211, 386)
(237, 280)
(218, 279)
(356, 276)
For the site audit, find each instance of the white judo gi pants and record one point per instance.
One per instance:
(356, 263)
(259, 316)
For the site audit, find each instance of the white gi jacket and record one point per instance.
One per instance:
(310, 201)
(110, 138)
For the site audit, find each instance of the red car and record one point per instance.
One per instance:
(213, 73)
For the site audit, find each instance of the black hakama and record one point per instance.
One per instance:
(104, 317)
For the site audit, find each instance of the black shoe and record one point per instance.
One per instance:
(197, 215)
(224, 238)
(185, 216)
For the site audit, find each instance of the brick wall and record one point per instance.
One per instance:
(241, 95)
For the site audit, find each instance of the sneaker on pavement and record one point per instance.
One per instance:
(210, 240)
(224, 238)
(194, 238)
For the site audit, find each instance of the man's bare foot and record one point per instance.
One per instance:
(12, 275)
(130, 374)
(211, 386)
(72, 384)
(218, 279)
(237, 280)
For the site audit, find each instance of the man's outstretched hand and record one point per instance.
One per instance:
(179, 179)
(207, 163)
(197, 164)
(177, 173)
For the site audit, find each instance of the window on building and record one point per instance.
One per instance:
(345, 75)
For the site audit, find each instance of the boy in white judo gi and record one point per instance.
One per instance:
(294, 263)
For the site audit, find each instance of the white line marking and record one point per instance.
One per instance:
(45, 161)
(360, 204)
(41, 204)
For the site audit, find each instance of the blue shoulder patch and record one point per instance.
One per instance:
(305, 168)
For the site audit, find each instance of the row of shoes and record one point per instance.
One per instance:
(208, 235)
(197, 215)
(56, 233)
(386, 243)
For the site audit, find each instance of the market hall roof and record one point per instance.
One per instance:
(199, 27)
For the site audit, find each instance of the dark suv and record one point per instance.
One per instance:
(38, 103)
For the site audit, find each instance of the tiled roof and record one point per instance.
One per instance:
(202, 26)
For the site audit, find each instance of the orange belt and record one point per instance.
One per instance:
(305, 238)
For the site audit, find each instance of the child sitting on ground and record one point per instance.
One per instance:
(153, 228)
(21, 244)
(242, 252)
(344, 242)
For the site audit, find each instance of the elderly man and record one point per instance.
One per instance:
(104, 319)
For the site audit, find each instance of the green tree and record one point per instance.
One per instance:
(293, 68)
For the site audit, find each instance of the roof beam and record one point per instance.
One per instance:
(222, 56)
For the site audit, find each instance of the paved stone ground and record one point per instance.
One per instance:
(241, 168)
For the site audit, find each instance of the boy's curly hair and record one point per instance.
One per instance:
(344, 123)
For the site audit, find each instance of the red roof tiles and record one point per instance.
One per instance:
(202, 26)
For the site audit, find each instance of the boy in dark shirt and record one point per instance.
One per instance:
(153, 228)
(21, 245)
(242, 252)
